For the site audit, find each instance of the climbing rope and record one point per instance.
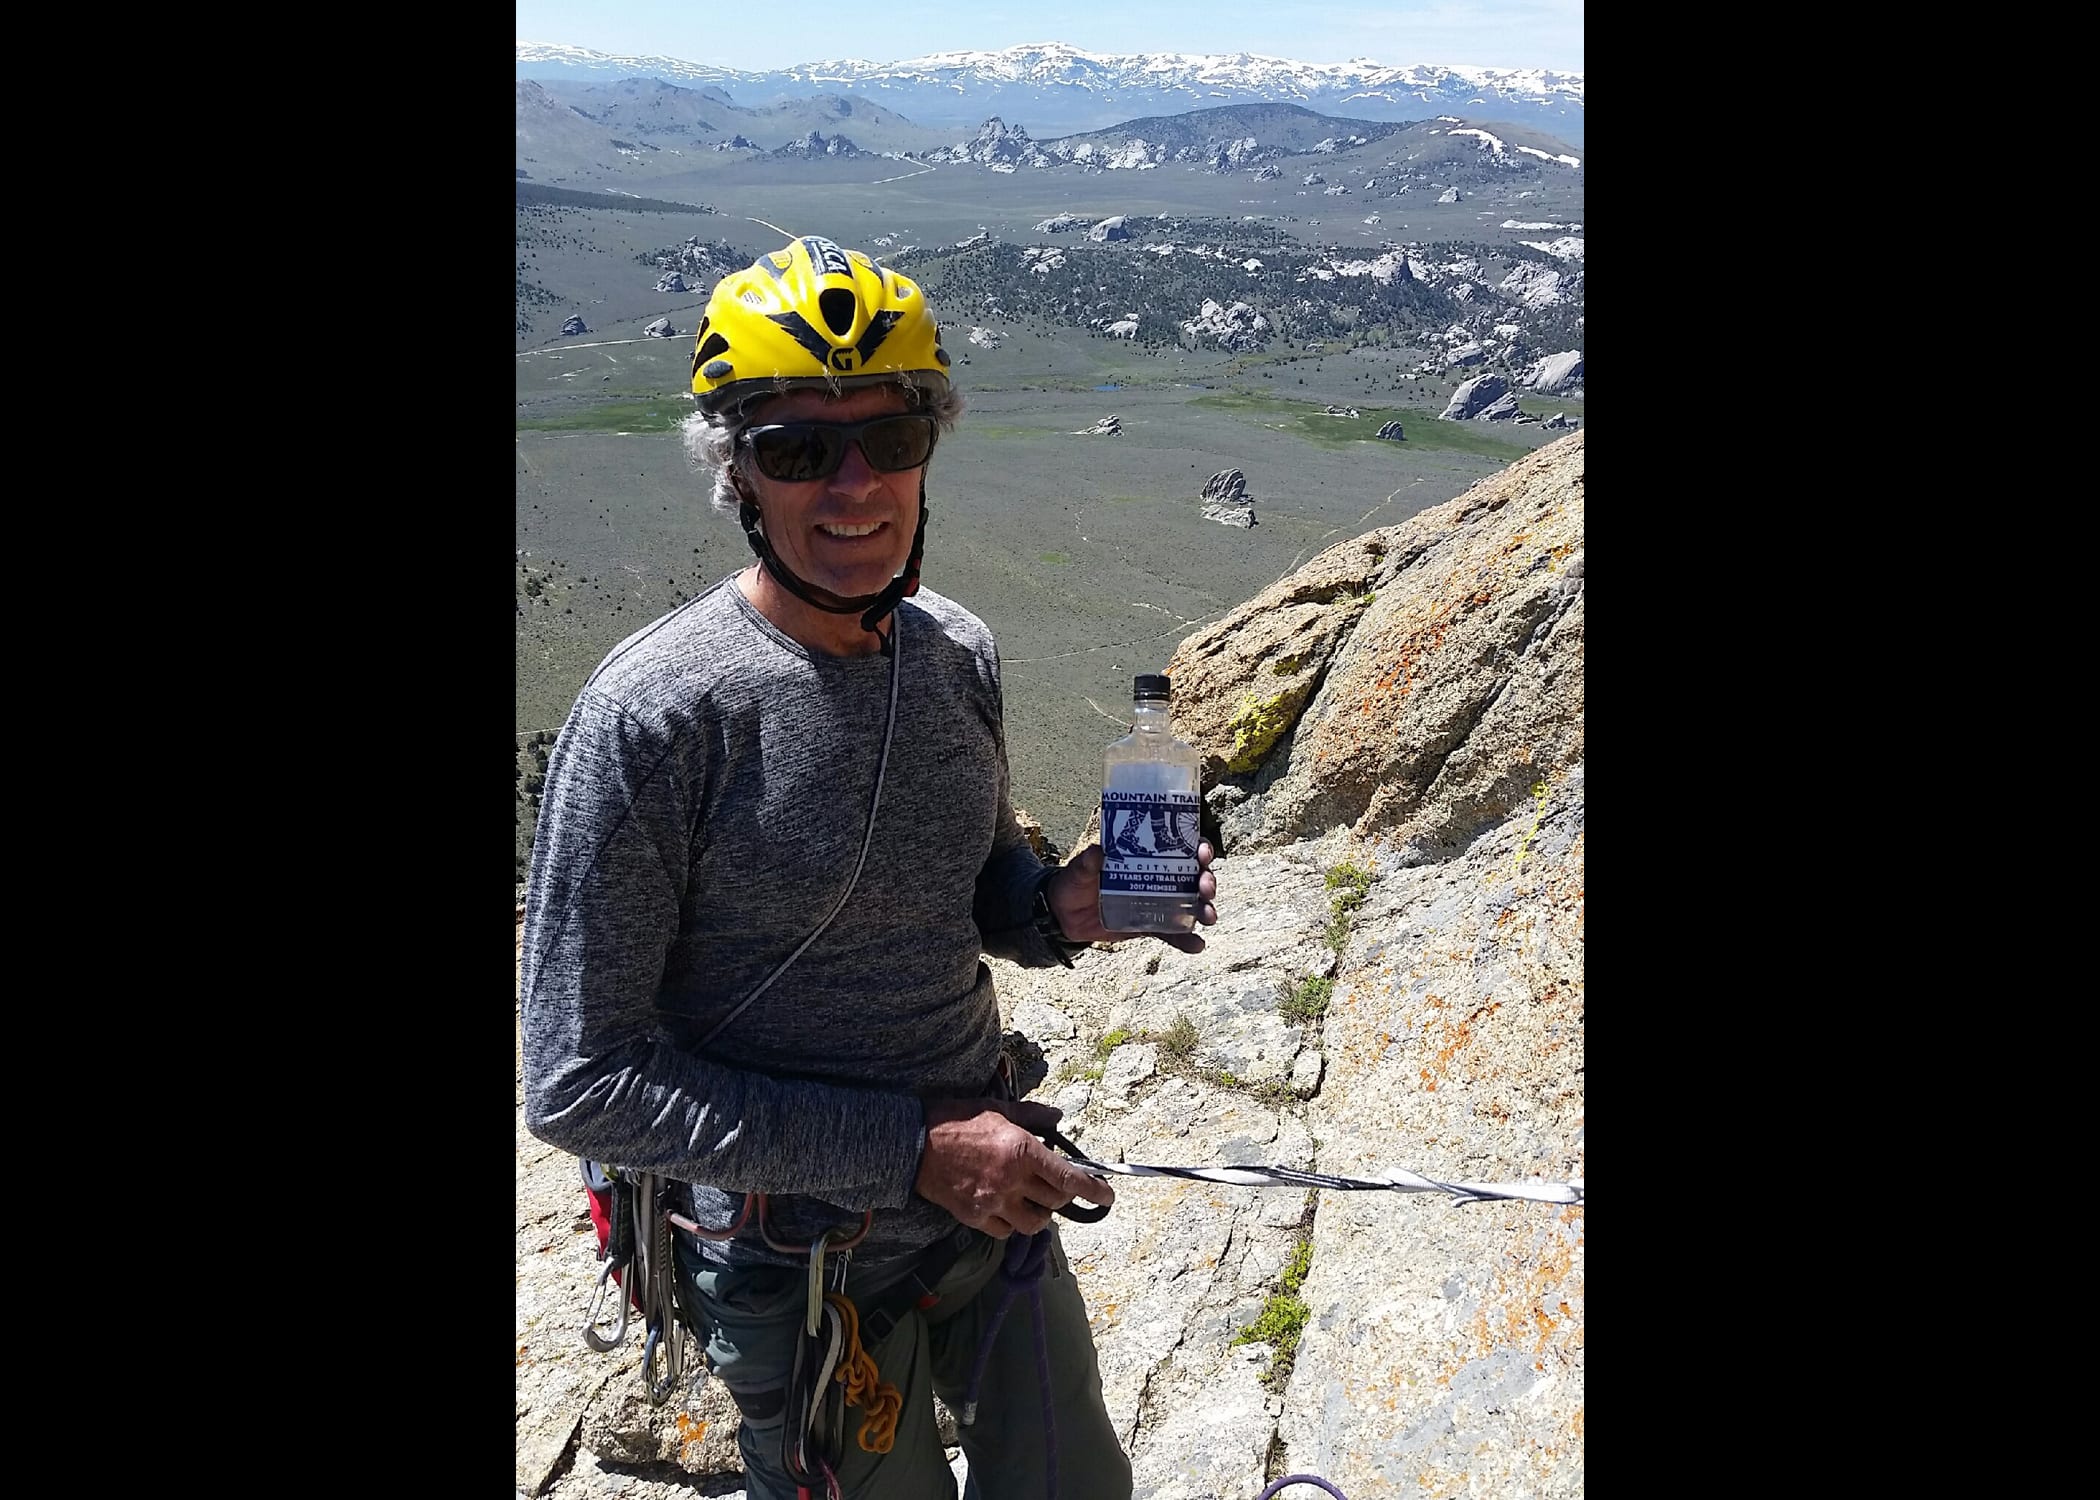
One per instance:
(1291, 1479)
(1022, 1270)
(1395, 1180)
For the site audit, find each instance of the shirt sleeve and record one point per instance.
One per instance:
(1006, 886)
(601, 1077)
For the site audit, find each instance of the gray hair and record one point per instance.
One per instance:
(711, 442)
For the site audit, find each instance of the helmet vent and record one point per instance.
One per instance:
(838, 307)
(712, 345)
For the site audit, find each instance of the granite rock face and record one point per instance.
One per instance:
(1412, 682)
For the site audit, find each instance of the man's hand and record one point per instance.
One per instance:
(984, 1165)
(1075, 896)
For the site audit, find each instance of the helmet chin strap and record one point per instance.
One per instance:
(870, 607)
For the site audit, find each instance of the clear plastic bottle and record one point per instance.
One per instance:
(1150, 821)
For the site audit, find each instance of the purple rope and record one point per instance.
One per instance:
(1301, 1479)
(1026, 1254)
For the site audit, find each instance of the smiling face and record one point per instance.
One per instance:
(848, 533)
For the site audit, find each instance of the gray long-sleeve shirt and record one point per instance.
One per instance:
(703, 811)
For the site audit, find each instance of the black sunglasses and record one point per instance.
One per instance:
(799, 451)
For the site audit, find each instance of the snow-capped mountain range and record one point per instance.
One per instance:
(1055, 88)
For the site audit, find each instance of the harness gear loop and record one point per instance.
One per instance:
(765, 1229)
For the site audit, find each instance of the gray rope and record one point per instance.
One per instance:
(1395, 1180)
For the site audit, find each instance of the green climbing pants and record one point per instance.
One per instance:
(755, 1315)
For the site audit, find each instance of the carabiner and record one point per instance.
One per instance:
(815, 1310)
(591, 1335)
(649, 1381)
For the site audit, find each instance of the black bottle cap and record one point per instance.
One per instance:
(1152, 685)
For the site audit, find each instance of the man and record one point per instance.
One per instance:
(775, 838)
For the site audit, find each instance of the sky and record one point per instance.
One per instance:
(752, 36)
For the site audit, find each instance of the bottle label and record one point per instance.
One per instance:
(1148, 843)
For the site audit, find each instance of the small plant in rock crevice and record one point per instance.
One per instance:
(1177, 1043)
(1306, 1000)
(1351, 884)
(1281, 1322)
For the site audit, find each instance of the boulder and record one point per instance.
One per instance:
(660, 329)
(1391, 432)
(574, 326)
(1059, 223)
(1536, 286)
(1556, 372)
(1236, 327)
(816, 143)
(1473, 397)
(1450, 195)
(671, 281)
(1225, 499)
(1502, 409)
(1110, 229)
(995, 144)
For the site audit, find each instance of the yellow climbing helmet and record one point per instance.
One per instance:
(814, 313)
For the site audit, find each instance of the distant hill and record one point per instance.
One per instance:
(1053, 88)
(1244, 136)
(659, 114)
